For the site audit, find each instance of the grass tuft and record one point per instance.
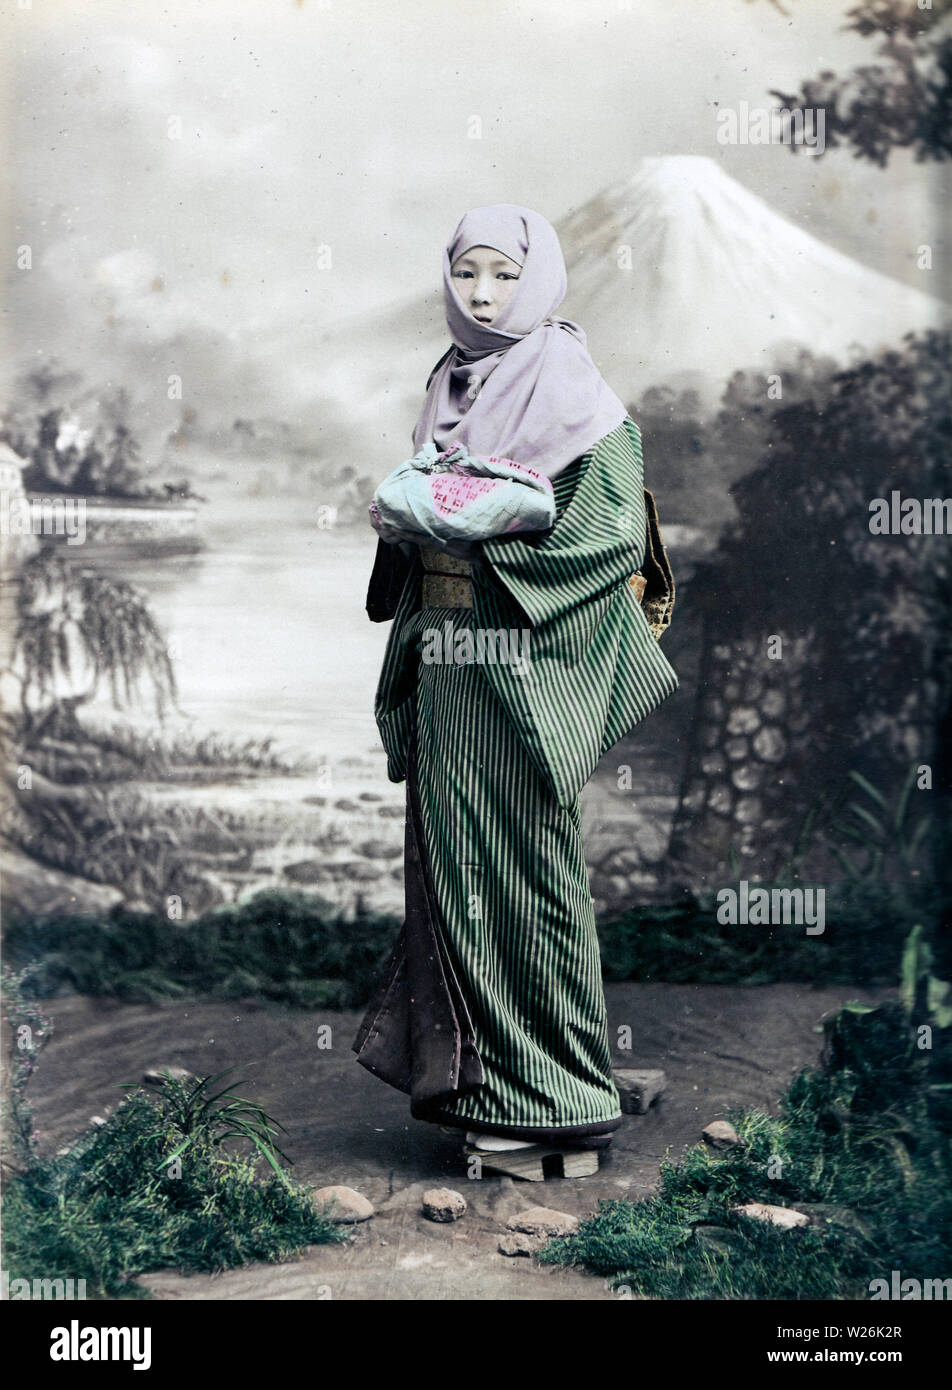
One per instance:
(118, 1203)
(861, 1145)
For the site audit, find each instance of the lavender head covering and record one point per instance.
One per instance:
(523, 387)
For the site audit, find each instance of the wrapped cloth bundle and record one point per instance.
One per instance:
(456, 497)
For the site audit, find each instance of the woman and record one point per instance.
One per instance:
(491, 1013)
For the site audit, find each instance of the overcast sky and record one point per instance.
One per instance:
(306, 125)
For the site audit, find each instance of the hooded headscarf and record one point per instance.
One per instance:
(523, 387)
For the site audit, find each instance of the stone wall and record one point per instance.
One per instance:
(751, 760)
(772, 742)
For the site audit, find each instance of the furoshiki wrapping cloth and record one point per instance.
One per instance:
(458, 497)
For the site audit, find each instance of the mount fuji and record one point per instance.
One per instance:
(681, 270)
(679, 275)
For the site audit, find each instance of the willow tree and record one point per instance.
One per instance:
(82, 632)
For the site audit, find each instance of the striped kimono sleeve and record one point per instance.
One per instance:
(598, 539)
(595, 669)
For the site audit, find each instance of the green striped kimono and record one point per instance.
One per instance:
(512, 1038)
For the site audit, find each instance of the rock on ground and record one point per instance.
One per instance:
(543, 1221)
(520, 1244)
(638, 1089)
(342, 1205)
(443, 1204)
(721, 1135)
(777, 1216)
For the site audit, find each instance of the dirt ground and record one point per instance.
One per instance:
(718, 1046)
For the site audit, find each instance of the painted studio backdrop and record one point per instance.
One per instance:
(222, 300)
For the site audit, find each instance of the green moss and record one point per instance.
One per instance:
(282, 946)
(866, 924)
(293, 948)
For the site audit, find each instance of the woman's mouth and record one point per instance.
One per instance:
(482, 318)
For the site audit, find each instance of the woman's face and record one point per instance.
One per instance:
(485, 281)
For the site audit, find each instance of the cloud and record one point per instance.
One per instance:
(297, 128)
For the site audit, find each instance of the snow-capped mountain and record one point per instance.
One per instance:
(678, 274)
(680, 270)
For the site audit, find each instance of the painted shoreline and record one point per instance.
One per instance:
(112, 521)
(339, 839)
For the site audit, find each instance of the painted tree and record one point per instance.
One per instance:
(826, 648)
(903, 101)
(80, 631)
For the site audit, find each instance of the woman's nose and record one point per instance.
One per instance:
(482, 292)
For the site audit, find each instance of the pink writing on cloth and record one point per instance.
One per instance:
(451, 491)
(458, 497)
